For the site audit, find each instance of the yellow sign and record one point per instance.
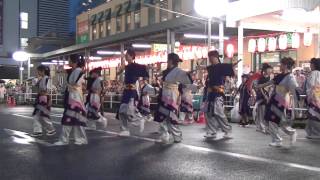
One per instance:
(159, 47)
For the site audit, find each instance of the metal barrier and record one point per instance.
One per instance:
(112, 101)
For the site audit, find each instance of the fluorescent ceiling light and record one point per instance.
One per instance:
(49, 63)
(201, 36)
(95, 58)
(143, 46)
(109, 52)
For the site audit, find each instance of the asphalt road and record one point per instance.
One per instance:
(139, 157)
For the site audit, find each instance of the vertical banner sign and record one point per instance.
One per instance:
(1, 21)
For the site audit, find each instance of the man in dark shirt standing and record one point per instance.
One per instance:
(216, 118)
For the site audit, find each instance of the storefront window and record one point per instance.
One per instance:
(128, 21)
(108, 28)
(118, 24)
(164, 14)
(272, 58)
(94, 32)
(151, 15)
(137, 19)
(101, 34)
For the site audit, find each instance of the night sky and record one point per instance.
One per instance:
(73, 13)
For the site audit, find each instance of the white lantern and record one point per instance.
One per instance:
(252, 45)
(307, 38)
(261, 44)
(295, 40)
(283, 42)
(272, 44)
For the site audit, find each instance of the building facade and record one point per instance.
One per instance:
(24, 19)
(120, 16)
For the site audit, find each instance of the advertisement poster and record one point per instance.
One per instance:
(82, 32)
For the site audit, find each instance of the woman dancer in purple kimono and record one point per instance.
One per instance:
(313, 100)
(75, 114)
(285, 83)
(42, 105)
(168, 105)
(95, 99)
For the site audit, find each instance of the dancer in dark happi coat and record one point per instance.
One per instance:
(43, 104)
(215, 116)
(95, 99)
(75, 113)
(285, 83)
(128, 111)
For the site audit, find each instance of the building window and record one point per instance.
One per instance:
(151, 15)
(108, 28)
(118, 24)
(23, 42)
(24, 20)
(94, 32)
(176, 7)
(137, 19)
(164, 14)
(101, 29)
(128, 21)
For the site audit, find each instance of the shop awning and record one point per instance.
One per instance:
(107, 14)
(177, 23)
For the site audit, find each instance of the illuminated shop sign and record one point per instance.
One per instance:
(185, 52)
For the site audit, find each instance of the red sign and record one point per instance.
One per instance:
(83, 27)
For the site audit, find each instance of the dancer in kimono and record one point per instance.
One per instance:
(263, 96)
(244, 107)
(75, 114)
(42, 105)
(285, 83)
(128, 111)
(186, 106)
(144, 100)
(94, 102)
(313, 100)
(216, 118)
(168, 105)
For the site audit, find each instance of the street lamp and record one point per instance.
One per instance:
(212, 9)
(21, 56)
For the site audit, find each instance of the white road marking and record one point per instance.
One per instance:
(23, 138)
(225, 153)
(253, 158)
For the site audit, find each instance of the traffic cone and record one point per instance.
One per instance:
(201, 118)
